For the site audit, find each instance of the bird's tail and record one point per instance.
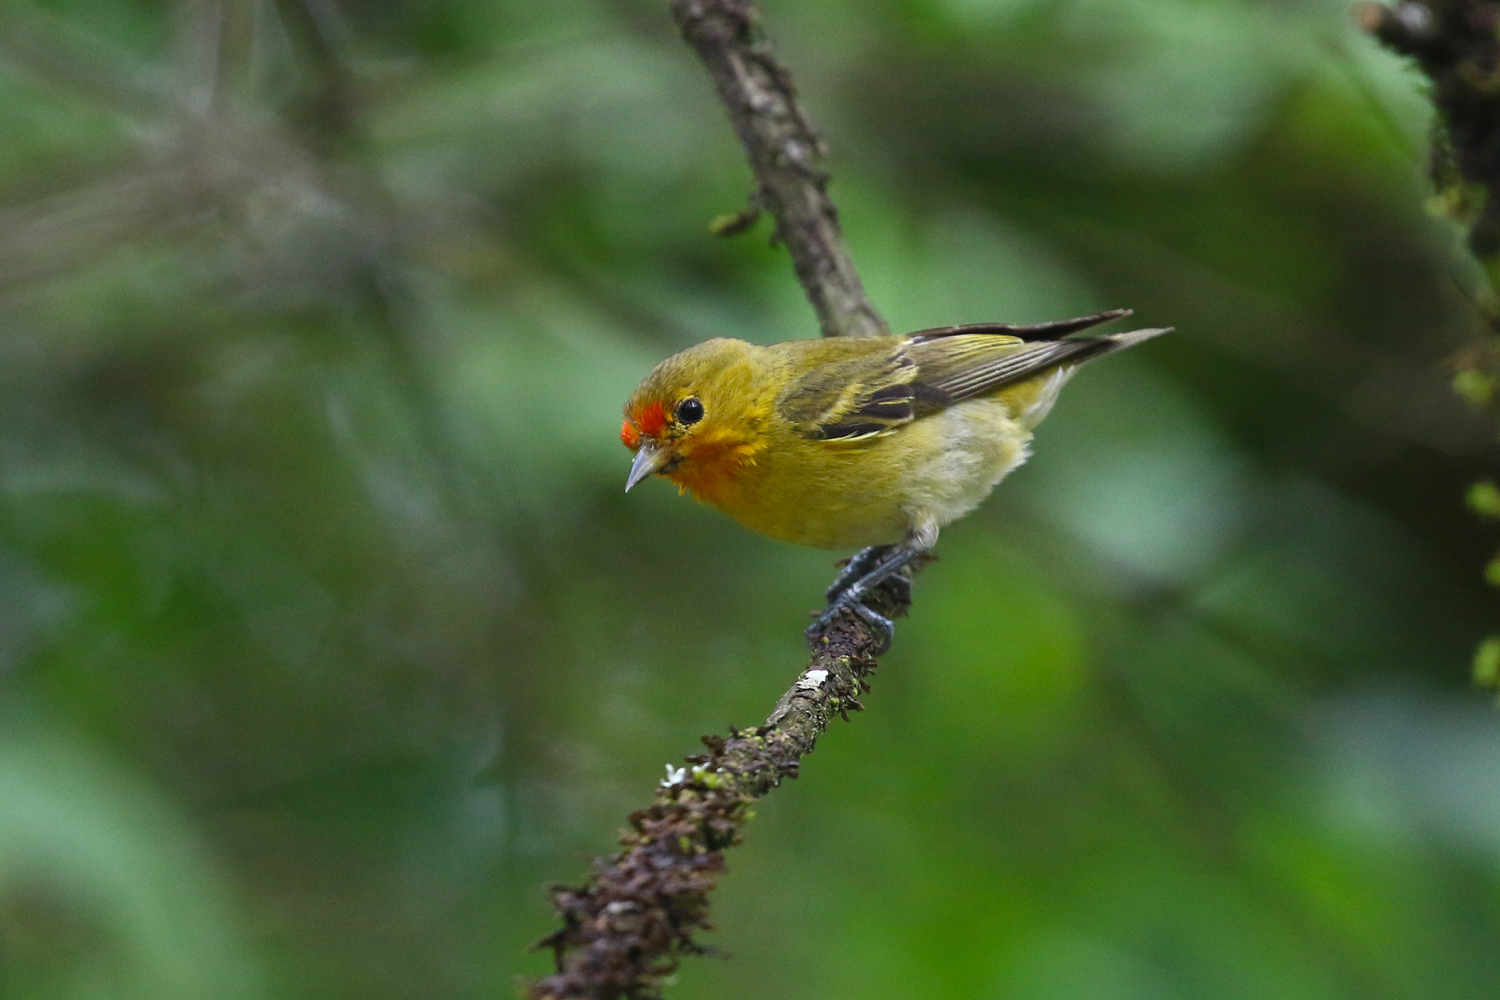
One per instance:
(1074, 351)
(1133, 337)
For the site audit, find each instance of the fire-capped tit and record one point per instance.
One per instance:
(870, 442)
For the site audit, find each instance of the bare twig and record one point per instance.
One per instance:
(626, 928)
(784, 152)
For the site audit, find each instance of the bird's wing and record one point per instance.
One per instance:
(1041, 331)
(961, 362)
(858, 394)
(967, 365)
(863, 393)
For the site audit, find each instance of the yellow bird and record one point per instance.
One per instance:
(872, 442)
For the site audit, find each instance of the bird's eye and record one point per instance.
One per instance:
(690, 410)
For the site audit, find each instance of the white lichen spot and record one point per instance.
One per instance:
(812, 680)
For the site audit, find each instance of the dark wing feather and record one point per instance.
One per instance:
(965, 367)
(858, 396)
(1041, 331)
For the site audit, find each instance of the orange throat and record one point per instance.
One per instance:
(717, 468)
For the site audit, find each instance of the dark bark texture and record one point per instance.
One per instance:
(1456, 44)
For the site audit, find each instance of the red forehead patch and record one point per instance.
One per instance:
(629, 435)
(653, 418)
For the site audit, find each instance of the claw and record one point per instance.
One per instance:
(855, 567)
(883, 627)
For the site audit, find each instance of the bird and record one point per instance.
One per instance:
(868, 443)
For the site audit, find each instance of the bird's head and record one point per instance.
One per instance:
(694, 415)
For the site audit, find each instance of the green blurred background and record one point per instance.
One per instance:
(327, 636)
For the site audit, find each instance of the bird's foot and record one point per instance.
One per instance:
(878, 564)
(855, 567)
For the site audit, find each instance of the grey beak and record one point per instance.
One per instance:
(647, 461)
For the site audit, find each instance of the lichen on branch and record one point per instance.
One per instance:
(627, 927)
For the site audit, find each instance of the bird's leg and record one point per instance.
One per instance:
(858, 565)
(852, 595)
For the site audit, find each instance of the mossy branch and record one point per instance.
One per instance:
(1456, 45)
(626, 928)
